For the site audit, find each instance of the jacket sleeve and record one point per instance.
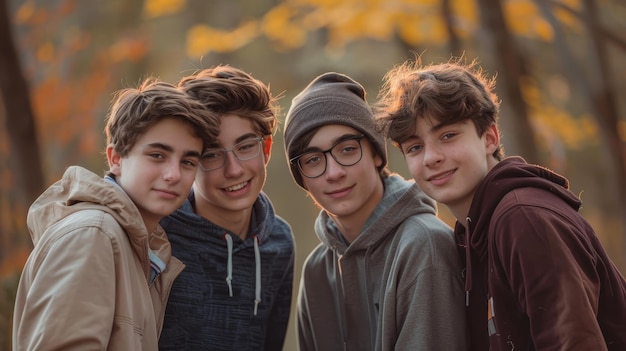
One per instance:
(428, 312)
(66, 296)
(550, 268)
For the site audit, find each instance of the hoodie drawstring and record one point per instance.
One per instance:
(229, 265)
(257, 261)
(468, 262)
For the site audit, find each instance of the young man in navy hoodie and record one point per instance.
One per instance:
(537, 277)
(235, 292)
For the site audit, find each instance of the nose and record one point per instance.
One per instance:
(432, 155)
(232, 165)
(333, 169)
(172, 173)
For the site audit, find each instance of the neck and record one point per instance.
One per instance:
(351, 225)
(237, 222)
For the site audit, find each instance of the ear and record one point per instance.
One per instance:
(115, 161)
(378, 161)
(492, 139)
(267, 148)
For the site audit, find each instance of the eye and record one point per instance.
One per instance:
(246, 145)
(212, 154)
(190, 163)
(448, 136)
(310, 160)
(156, 155)
(412, 148)
(347, 147)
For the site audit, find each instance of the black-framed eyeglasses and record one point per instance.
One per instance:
(215, 158)
(346, 152)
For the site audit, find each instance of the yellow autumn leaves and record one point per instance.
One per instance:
(417, 22)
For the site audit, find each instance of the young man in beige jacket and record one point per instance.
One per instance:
(101, 269)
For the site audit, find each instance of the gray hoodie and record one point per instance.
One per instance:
(398, 286)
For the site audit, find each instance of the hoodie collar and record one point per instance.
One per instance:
(401, 199)
(509, 174)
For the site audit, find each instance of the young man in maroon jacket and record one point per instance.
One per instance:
(537, 277)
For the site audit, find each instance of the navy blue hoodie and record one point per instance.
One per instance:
(218, 302)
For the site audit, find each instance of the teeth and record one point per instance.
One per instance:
(236, 187)
(443, 175)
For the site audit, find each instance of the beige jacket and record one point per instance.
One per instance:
(86, 285)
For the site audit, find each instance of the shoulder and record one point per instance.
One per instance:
(536, 220)
(531, 197)
(86, 233)
(281, 230)
(533, 208)
(425, 240)
(317, 260)
(424, 228)
(85, 223)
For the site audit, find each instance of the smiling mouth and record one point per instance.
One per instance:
(236, 187)
(338, 191)
(168, 192)
(441, 176)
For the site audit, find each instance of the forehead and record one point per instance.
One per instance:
(330, 134)
(431, 126)
(233, 127)
(170, 132)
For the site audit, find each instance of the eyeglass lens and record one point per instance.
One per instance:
(244, 150)
(347, 153)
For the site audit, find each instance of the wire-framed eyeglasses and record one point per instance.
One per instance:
(346, 152)
(215, 158)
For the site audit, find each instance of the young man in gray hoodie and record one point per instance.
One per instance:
(386, 275)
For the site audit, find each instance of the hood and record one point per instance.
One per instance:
(401, 199)
(80, 189)
(509, 174)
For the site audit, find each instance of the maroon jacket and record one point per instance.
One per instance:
(537, 276)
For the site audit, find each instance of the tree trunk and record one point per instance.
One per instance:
(453, 38)
(511, 69)
(20, 122)
(604, 105)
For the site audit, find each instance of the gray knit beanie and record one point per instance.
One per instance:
(331, 98)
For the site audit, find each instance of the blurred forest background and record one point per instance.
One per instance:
(560, 67)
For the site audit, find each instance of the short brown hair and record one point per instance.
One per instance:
(135, 110)
(224, 89)
(449, 93)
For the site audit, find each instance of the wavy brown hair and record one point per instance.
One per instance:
(224, 89)
(448, 93)
(136, 110)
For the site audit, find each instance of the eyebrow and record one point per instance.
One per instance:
(335, 141)
(217, 145)
(169, 148)
(245, 137)
(433, 128)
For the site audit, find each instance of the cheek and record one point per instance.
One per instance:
(202, 178)
(188, 176)
(414, 166)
